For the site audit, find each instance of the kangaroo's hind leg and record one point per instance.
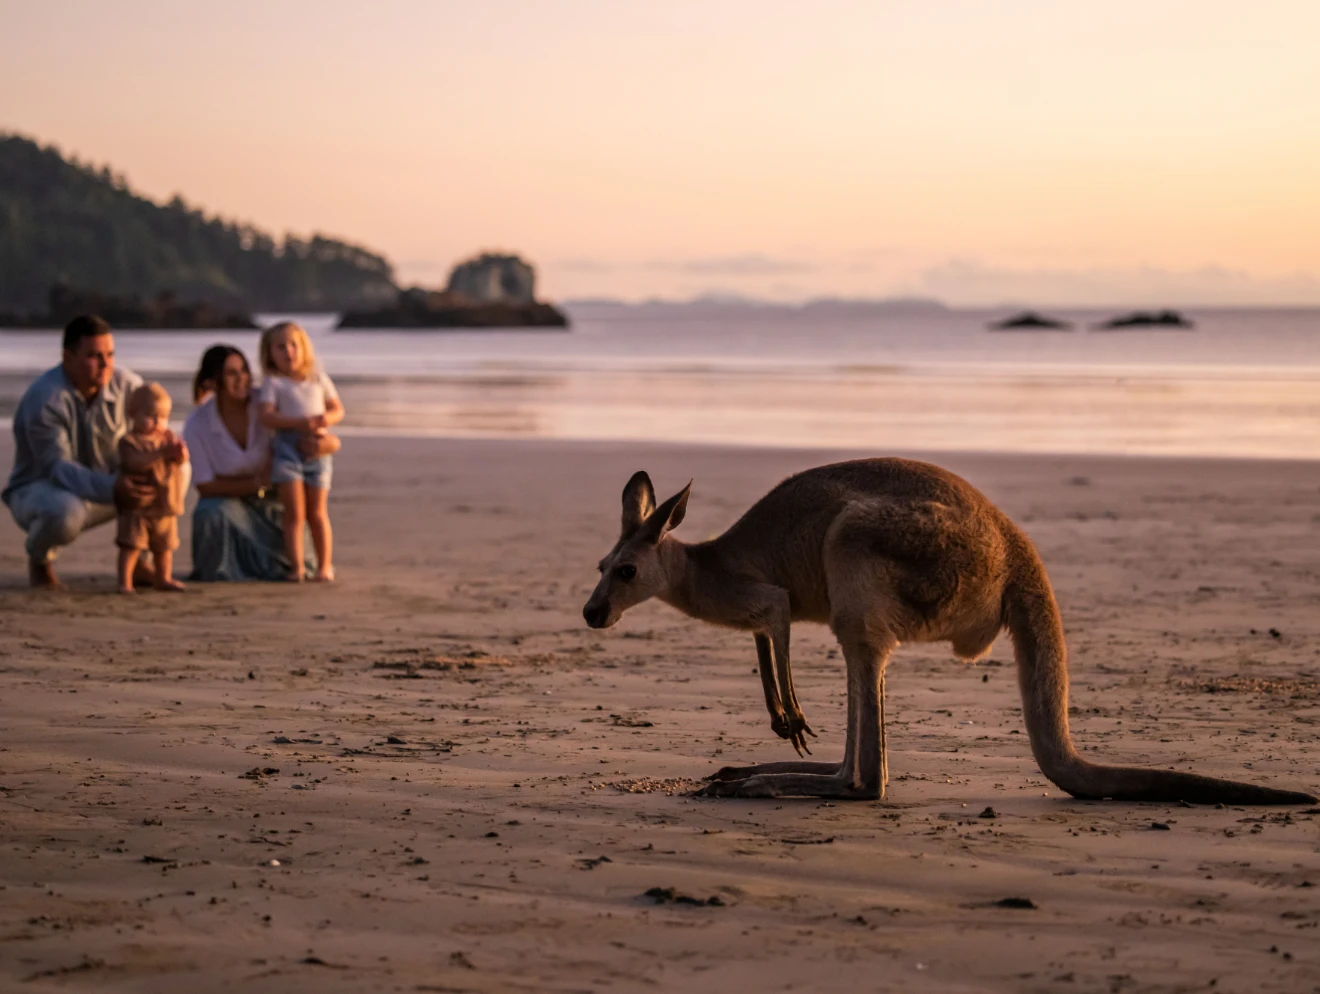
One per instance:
(884, 738)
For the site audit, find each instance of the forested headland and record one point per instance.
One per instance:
(67, 223)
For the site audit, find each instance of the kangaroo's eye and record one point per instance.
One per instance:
(626, 572)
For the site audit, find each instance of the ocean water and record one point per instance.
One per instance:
(885, 379)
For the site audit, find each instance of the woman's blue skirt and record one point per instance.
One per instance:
(239, 538)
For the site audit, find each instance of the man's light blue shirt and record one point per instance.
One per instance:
(68, 441)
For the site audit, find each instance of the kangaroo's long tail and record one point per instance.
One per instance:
(1032, 618)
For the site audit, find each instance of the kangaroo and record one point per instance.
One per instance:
(884, 551)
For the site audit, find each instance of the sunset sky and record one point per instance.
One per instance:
(1128, 151)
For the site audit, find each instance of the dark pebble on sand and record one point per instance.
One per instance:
(668, 895)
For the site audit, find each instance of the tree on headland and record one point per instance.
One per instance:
(63, 222)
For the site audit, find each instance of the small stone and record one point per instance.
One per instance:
(1025, 903)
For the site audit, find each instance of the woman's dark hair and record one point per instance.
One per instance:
(212, 368)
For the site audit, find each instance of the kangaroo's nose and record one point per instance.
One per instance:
(595, 615)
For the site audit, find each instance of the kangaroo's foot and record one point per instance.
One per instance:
(793, 727)
(743, 772)
(794, 785)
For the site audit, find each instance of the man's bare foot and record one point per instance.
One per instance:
(41, 576)
(126, 590)
(325, 575)
(169, 583)
(297, 577)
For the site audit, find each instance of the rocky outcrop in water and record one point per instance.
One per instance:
(420, 308)
(1030, 320)
(488, 291)
(1146, 319)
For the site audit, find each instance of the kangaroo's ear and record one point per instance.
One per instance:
(638, 502)
(667, 516)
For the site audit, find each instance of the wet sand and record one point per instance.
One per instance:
(432, 777)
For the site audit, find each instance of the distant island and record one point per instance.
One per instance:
(1030, 321)
(488, 291)
(1145, 319)
(718, 307)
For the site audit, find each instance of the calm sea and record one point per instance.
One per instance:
(1242, 383)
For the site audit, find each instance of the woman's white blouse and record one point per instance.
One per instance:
(213, 450)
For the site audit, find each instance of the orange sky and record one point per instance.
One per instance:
(1050, 152)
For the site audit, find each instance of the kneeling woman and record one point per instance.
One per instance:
(236, 530)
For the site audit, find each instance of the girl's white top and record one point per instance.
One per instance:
(297, 398)
(214, 451)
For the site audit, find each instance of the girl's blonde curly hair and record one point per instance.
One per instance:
(296, 330)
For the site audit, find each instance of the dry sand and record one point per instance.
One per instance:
(436, 752)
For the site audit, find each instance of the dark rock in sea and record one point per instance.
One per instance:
(162, 312)
(420, 308)
(1030, 321)
(1146, 319)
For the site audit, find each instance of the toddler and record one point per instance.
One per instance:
(153, 454)
(296, 400)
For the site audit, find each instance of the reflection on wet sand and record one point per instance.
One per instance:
(1202, 411)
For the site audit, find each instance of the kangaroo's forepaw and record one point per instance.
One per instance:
(793, 727)
(788, 726)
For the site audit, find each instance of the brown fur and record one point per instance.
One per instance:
(884, 551)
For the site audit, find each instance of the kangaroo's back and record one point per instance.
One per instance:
(934, 527)
(806, 503)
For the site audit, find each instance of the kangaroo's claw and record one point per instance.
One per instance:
(794, 728)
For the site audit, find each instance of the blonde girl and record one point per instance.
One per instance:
(297, 399)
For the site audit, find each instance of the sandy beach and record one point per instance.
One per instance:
(432, 777)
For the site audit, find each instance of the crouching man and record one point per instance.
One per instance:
(66, 449)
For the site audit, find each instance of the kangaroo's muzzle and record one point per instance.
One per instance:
(597, 614)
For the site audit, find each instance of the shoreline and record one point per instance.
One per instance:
(879, 409)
